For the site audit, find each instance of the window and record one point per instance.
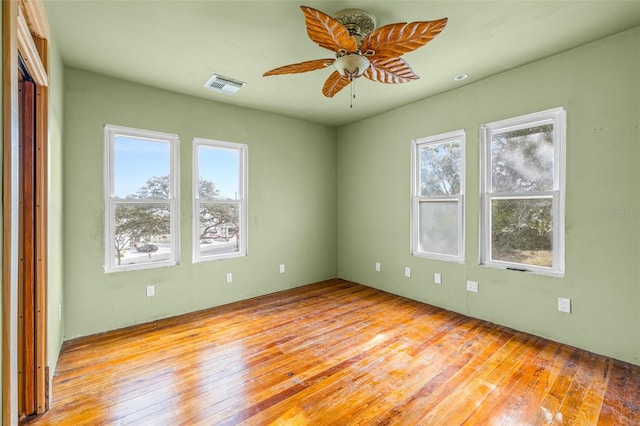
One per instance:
(437, 219)
(141, 199)
(220, 200)
(523, 192)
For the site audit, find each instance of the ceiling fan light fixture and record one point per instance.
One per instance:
(351, 66)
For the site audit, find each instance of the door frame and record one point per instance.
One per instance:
(25, 32)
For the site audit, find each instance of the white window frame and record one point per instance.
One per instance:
(417, 198)
(110, 134)
(557, 117)
(241, 199)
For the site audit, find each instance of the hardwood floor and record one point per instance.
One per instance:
(335, 353)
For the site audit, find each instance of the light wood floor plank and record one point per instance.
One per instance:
(335, 353)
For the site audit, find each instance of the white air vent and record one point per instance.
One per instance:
(225, 85)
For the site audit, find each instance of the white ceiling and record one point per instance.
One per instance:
(178, 44)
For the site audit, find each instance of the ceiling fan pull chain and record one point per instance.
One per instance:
(353, 93)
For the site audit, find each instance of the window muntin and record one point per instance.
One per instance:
(220, 204)
(437, 196)
(141, 199)
(523, 192)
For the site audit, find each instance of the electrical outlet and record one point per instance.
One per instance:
(472, 286)
(151, 290)
(437, 278)
(377, 266)
(282, 268)
(407, 271)
(229, 277)
(564, 305)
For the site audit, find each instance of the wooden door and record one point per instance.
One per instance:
(28, 339)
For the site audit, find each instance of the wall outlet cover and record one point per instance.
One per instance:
(472, 286)
(564, 305)
(437, 278)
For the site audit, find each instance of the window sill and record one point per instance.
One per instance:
(525, 269)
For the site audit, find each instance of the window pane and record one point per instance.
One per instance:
(219, 170)
(521, 231)
(142, 233)
(141, 168)
(440, 166)
(439, 227)
(219, 228)
(522, 160)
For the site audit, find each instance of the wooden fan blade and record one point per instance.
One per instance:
(335, 83)
(390, 71)
(327, 32)
(397, 39)
(306, 66)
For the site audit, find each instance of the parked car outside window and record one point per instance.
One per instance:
(147, 248)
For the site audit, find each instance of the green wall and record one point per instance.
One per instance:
(292, 204)
(55, 207)
(600, 85)
(326, 201)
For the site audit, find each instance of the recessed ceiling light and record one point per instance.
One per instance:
(461, 77)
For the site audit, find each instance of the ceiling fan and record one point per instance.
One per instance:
(361, 51)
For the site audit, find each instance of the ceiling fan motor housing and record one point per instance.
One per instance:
(358, 22)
